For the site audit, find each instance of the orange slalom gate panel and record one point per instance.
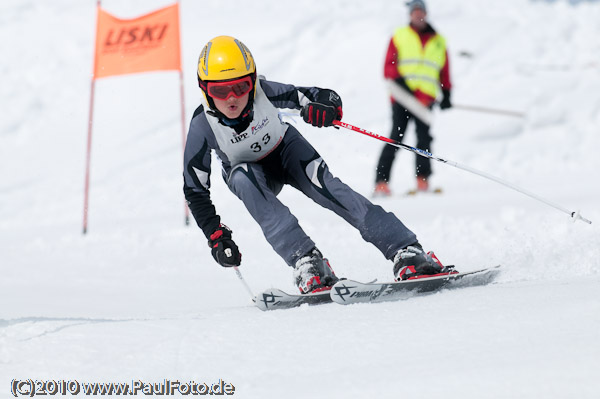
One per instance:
(150, 42)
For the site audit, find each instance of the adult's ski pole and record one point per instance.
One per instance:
(574, 215)
(489, 110)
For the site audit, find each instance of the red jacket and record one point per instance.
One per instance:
(390, 69)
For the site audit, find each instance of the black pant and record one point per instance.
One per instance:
(400, 118)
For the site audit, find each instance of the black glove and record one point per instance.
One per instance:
(224, 250)
(445, 104)
(319, 115)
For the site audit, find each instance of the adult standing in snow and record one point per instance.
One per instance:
(417, 61)
(259, 154)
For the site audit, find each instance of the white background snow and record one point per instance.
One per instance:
(140, 297)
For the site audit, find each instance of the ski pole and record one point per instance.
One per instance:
(489, 110)
(574, 215)
(239, 274)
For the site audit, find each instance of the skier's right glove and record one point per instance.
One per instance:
(224, 250)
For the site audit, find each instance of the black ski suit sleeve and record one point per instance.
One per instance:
(196, 174)
(202, 209)
(289, 96)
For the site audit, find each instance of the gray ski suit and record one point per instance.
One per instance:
(269, 153)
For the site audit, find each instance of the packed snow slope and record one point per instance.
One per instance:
(140, 297)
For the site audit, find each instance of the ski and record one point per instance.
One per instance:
(347, 291)
(414, 192)
(274, 298)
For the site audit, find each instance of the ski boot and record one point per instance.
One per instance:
(422, 184)
(312, 273)
(412, 262)
(423, 187)
(382, 189)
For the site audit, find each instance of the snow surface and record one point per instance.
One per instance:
(140, 298)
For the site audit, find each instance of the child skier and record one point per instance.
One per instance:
(260, 153)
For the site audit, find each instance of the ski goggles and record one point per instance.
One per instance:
(224, 90)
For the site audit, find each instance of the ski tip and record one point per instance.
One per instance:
(274, 299)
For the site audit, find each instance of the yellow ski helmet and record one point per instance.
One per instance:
(225, 58)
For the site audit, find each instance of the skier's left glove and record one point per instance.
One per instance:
(324, 110)
(445, 103)
(224, 250)
(320, 115)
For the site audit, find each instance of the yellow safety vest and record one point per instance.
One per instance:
(420, 66)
